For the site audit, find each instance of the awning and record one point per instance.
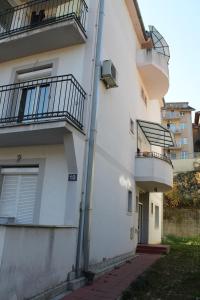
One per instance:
(156, 134)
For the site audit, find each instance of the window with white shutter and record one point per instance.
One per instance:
(18, 194)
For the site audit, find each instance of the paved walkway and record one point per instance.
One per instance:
(111, 285)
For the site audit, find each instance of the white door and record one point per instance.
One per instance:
(18, 194)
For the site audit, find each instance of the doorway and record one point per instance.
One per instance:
(143, 218)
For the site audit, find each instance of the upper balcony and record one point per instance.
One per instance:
(175, 115)
(152, 63)
(176, 131)
(153, 68)
(41, 25)
(40, 111)
(153, 172)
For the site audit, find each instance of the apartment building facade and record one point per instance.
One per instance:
(196, 132)
(177, 116)
(81, 159)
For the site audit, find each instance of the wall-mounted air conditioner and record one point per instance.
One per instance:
(109, 74)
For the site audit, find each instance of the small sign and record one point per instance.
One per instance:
(72, 177)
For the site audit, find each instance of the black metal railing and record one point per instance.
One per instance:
(40, 13)
(148, 154)
(59, 97)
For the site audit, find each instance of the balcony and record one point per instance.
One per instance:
(40, 111)
(171, 116)
(176, 131)
(153, 172)
(177, 146)
(29, 28)
(153, 68)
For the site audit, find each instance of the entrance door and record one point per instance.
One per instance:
(140, 222)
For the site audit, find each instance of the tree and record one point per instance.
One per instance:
(185, 192)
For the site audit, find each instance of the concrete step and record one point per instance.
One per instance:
(153, 249)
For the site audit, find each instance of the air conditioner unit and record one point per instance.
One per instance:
(7, 220)
(109, 74)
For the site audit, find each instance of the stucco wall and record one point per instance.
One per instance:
(34, 259)
(155, 233)
(116, 145)
(55, 205)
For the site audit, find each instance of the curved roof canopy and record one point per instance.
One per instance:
(159, 43)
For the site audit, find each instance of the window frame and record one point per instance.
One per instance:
(157, 217)
(130, 202)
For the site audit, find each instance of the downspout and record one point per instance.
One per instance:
(85, 214)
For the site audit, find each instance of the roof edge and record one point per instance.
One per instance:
(140, 19)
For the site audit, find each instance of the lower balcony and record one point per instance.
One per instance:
(28, 28)
(153, 172)
(40, 111)
(153, 68)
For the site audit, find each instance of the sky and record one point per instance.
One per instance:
(179, 23)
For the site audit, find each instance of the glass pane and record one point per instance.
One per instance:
(43, 99)
(30, 100)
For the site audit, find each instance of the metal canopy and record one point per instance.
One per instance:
(159, 43)
(156, 134)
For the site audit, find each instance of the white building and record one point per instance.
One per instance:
(80, 184)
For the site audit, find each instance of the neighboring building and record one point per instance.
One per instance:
(82, 166)
(178, 117)
(196, 132)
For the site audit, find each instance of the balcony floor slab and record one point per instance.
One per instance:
(65, 33)
(44, 133)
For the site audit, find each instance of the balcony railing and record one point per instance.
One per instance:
(59, 97)
(148, 154)
(40, 13)
(173, 115)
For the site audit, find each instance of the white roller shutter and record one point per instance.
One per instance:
(8, 196)
(26, 198)
(19, 194)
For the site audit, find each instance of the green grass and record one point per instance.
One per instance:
(175, 276)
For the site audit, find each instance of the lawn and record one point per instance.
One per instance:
(175, 276)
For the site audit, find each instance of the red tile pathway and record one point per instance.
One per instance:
(111, 285)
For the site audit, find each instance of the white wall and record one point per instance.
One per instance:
(33, 260)
(155, 233)
(56, 200)
(116, 146)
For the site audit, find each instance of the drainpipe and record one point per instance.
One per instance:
(85, 209)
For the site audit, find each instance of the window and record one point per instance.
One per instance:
(152, 208)
(183, 141)
(136, 204)
(18, 193)
(182, 113)
(173, 127)
(184, 154)
(182, 126)
(144, 97)
(156, 216)
(130, 201)
(131, 126)
(33, 97)
(173, 155)
(34, 101)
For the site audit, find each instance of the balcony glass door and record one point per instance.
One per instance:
(34, 102)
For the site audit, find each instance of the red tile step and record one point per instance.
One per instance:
(153, 249)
